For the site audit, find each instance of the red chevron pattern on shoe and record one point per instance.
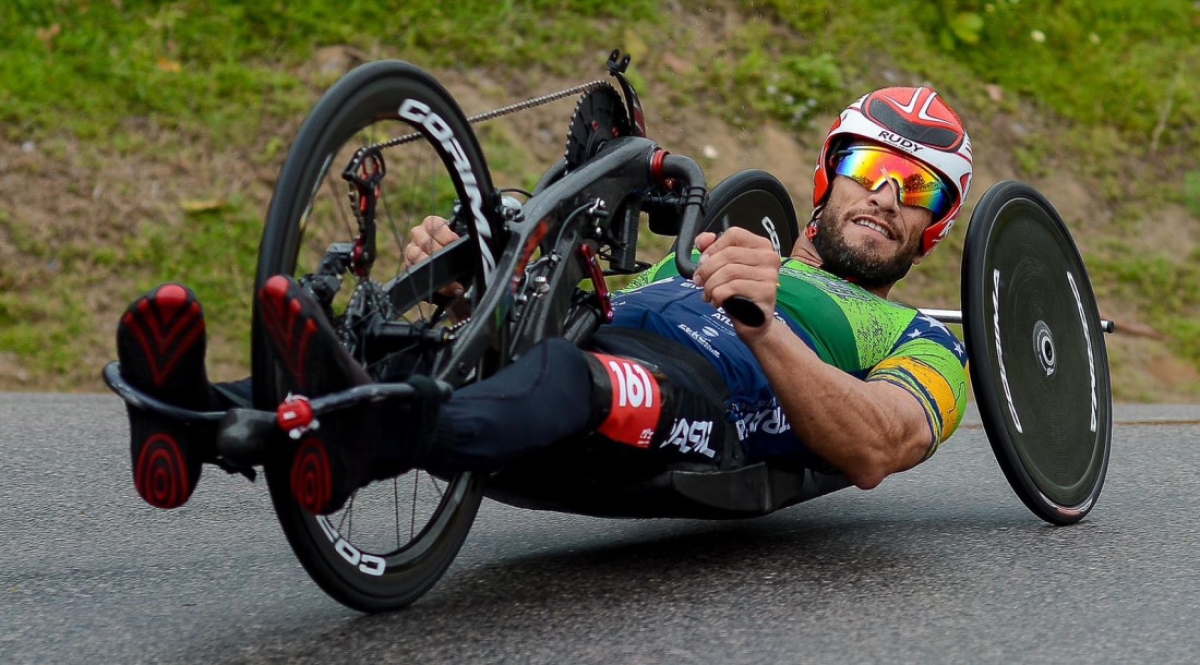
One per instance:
(290, 333)
(161, 348)
(166, 324)
(336, 459)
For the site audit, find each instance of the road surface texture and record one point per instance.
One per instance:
(942, 564)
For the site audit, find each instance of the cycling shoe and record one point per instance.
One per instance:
(346, 449)
(161, 348)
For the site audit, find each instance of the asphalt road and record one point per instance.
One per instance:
(942, 564)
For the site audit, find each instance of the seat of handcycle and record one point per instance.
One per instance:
(603, 482)
(599, 481)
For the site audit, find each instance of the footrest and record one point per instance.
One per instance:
(243, 433)
(138, 399)
(373, 392)
(298, 414)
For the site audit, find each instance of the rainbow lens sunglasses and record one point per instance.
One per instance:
(872, 166)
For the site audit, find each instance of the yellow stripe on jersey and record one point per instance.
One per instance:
(942, 402)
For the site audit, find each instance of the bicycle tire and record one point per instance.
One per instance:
(1046, 405)
(756, 201)
(372, 577)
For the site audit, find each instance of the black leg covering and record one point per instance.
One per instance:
(234, 394)
(541, 398)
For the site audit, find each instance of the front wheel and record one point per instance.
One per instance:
(385, 147)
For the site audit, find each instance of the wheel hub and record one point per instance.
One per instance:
(1043, 347)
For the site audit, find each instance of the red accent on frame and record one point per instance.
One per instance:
(597, 274)
(295, 413)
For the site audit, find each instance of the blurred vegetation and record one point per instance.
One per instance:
(1112, 82)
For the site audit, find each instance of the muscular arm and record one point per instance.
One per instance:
(866, 429)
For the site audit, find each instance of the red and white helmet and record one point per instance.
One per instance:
(911, 120)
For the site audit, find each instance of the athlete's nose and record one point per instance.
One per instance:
(886, 195)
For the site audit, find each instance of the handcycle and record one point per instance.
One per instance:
(522, 266)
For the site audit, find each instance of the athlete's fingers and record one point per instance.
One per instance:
(738, 237)
(762, 259)
(413, 254)
(704, 240)
(711, 244)
(749, 282)
(418, 247)
(426, 239)
(739, 281)
(753, 282)
(441, 232)
(740, 264)
(425, 235)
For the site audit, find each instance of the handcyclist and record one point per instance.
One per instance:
(839, 379)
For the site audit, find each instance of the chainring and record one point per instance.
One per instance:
(600, 116)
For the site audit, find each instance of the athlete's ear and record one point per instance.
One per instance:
(918, 257)
(810, 229)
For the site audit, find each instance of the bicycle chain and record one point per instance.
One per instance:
(502, 111)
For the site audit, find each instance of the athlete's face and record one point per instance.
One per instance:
(868, 236)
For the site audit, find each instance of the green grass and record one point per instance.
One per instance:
(1191, 191)
(1114, 63)
(1110, 82)
(1169, 288)
(213, 68)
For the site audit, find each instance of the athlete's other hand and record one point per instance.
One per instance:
(425, 240)
(740, 263)
(433, 234)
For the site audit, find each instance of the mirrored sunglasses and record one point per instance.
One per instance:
(872, 166)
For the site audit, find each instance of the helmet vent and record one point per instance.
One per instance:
(936, 136)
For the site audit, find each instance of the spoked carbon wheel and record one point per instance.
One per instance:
(1038, 362)
(395, 538)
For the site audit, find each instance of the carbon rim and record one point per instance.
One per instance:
(394, 538)
(1038, 361)
(757, 201)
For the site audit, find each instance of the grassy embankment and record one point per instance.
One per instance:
(140, 139)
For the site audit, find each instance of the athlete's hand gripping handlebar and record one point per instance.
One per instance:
(695, 193)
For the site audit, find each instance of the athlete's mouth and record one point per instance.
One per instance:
(874, 225)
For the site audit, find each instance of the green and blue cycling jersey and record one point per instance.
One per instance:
(866, 336)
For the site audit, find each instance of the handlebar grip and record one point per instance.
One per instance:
(695, 195)
(743, 310)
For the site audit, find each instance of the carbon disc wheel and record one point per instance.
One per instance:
(756, 201)
(1038, 363)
